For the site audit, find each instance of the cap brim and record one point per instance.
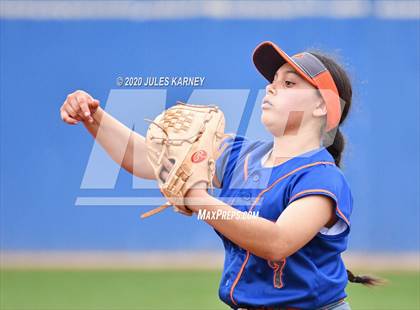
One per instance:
(268, 58)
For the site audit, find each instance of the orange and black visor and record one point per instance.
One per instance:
(268, 58)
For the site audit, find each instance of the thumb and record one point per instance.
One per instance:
(94, 104)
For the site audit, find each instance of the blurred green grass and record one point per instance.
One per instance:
(161, 289)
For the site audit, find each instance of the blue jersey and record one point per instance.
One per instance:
(313, 276)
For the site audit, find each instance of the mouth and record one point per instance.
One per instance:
(266, 104)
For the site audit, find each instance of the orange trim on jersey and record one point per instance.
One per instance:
(286, 175)
(238, 277)
(246, 167)
(322, 191)
(278, 272)
(255, 203)
(281, 273)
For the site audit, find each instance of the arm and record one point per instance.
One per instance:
(120, 142)
(295, 227)
(112, 135)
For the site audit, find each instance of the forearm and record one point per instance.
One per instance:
(126, 147)
(255, 234)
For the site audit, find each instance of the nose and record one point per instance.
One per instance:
(270, 90)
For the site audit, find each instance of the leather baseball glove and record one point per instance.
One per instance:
(188, 137)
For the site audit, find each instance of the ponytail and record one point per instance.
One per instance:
(337, 147)
(335, 139)
(365, 280)
(342, 81)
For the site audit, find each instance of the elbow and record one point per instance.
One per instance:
(278, 245)
(277, 249)
(128, 168)
(275, 255)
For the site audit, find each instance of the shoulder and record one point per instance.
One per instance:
(323, 178)
(318, 165)
(324, 170)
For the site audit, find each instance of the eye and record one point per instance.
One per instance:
(289, 83)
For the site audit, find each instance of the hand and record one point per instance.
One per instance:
(78, 106)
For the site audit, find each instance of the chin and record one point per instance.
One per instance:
(272, 126)
(266, 120)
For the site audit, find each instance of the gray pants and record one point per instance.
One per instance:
(339, 305)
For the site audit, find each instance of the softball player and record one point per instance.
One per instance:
(290, 255)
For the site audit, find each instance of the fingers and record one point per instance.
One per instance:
(67, 118)
(84, 108)
(78, 106)
(93, 105)
(70, 110)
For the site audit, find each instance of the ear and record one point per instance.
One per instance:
(320, 109)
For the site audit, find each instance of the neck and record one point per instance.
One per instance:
(288, 146)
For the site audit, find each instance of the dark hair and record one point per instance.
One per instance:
(343, 83)
(365, 280)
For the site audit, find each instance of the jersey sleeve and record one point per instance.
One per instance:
(226, 162)
(327, 181)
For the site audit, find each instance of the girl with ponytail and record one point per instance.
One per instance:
(289, 256)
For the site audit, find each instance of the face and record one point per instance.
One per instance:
(291, 104)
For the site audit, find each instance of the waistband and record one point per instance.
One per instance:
(326, 307)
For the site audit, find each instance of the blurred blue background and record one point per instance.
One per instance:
(43, 161)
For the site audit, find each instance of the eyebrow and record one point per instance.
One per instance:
(288, 71)
(293, 72)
